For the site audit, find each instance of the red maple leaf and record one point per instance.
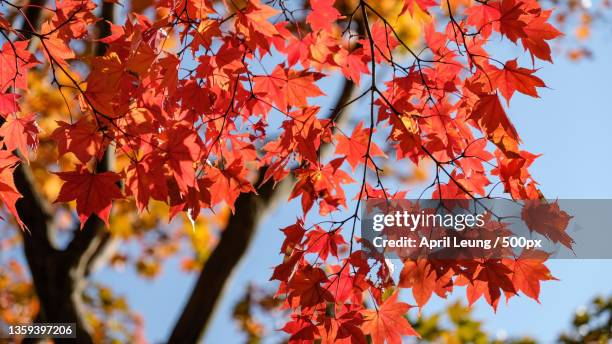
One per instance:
(302, 330)
(306, 287)
(81, 139)
(410, 5)
(181, 148)
(481, 16)
(15, 60)
(513, 78)
(227, 184)
(258, 15)
(287, 88)
(491, 117)
(323, 15)
(146, 180)
(324, 243)
(344, 328)
(293, 236)
(489, 278)
(93, 192)
(72, 17)
(283, 271)
(538, 31)
(254, 24)
(56, 49)
(325, 183)
(385, 42)
(511, 22)
(356, 147)
(341, 283)
(547, 219)
(8, 103)
(196, 135)
(353, 64)
(108, 74)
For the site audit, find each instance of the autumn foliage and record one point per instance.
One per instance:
(194, 99)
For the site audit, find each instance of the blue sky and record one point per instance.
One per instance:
(571, 125)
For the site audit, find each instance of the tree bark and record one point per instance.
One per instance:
(59, 276)
(233, 243)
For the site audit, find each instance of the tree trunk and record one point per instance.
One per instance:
(234, 242)
(59, 276)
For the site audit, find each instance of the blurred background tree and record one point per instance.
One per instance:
(591, 324)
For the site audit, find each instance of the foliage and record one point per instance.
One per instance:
(18, 303)
(591, 324)
(111, 318)
(456, 325)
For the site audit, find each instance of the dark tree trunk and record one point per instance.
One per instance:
(234, 242)
(59, 276)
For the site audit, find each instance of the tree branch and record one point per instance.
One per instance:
(32, 19)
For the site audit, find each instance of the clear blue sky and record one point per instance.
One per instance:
(571, 125)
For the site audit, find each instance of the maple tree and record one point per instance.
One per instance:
(204, 110)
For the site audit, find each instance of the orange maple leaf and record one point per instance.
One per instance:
(420, 276)
(528, 271)
(388, 322)
(287, 88)
(20, 133)
(8, 191)
(513, 78)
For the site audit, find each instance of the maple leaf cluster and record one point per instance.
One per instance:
(193, 123)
